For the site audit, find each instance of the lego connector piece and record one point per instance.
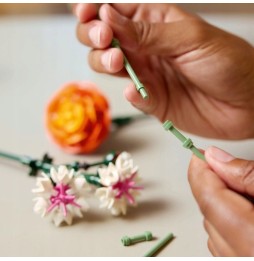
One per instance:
(139, 86)
(146, 236)
(187, 143)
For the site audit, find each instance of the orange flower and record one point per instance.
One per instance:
(77, 117)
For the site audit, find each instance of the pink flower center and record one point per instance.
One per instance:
(123, 188)
(62, 199)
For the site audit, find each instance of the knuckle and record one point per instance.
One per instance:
(143, 34)
(200, 30)
(247, 174)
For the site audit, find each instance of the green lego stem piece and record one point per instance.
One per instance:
(187, 142)
(139, 86)
(127, 241)
(36, 165)
(11, 156)
(159, 245)
(33, 164)
(93, 179)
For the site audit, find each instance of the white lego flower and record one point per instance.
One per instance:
(63, 200)
(124, 164)
(119, 181)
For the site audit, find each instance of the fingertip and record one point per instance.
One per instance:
(131, 94)
(95, 34)
(196, 167)
(216, 154)
(103, 11)
(113, 60)
(85, 12)
(147, 106)
(100, 35)
(111, 16)
(117, 60)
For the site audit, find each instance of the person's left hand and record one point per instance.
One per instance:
(218, 186)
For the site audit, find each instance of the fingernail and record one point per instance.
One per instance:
(106, 60)
(95, 35)
(219, 154)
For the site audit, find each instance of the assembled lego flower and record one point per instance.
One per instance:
(119, 184)
(61, 190)
(77, 117)
(61, 195)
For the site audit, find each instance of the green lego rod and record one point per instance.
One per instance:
(139, 86)
(187, 142)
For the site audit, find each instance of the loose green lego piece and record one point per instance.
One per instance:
(139, 86)
(187, 142)
(160, 245)
(147, 236)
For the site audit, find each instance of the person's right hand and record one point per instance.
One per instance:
(221, 186)
(198, 76)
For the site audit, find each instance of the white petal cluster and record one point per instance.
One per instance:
(77, 186)
(112, 174)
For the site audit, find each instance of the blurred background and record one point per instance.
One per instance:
(59, 8)
(33, 9)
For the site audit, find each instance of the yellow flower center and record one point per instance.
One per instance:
(69, 116)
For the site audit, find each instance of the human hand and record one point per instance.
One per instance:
(198, 76)
(218, 186)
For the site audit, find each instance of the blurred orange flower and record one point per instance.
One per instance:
(77, 117)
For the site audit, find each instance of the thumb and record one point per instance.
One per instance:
(178, 36)
(237, 173)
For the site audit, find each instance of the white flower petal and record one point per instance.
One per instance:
(57, 218)
(123, 207)
(111, 202)
(82, 202)
(108, 175)
(125, 165)
(40, 206)
(79, 186)
(124, 160)
(68, 218)
(44, 186)
(64, 175)
(77, 212)
(53, 175)
(101, 192)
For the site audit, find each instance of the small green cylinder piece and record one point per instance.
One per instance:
(127, 241)
(160, 244)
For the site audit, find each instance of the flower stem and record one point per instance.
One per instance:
(35, 165)
(11, 156)
(124, 120)
(46, 164)
(93, 179)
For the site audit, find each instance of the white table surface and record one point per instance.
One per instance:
(37, 56)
